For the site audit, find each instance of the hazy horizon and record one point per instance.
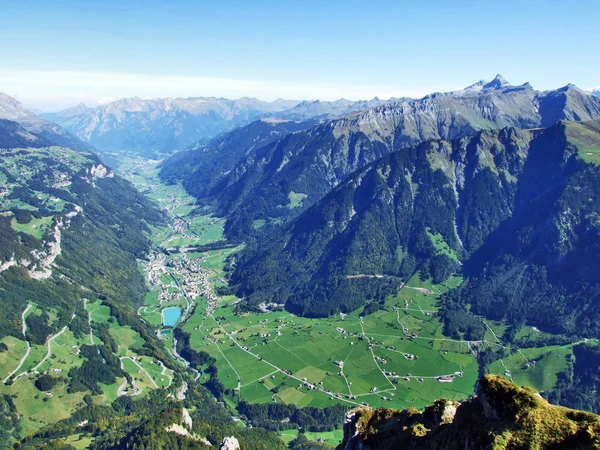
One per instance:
(57, 56)
(52, 106)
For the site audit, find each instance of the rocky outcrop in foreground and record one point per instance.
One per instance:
(501, 416)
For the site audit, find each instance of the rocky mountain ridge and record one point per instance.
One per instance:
(501, 416)
(312, 162)
(163, 124)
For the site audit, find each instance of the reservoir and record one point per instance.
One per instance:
(170, 316)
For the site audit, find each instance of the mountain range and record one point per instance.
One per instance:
(206, 164)
(323, 110)
(164, 125)
(264, 185)
(337, 205)
(161, 125)
(489, 206)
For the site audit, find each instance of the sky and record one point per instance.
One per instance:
(60, 53)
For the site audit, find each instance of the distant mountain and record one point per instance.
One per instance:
(501, 416)
(310, 163)
(12, 135)
(322, 110)
(161, 125)
(515, 211)
(596, 92)
(12, 109)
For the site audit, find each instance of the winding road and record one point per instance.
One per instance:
(28, 347)
(49, 343)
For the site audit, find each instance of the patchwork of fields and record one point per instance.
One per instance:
(397, 356)
(393, 357)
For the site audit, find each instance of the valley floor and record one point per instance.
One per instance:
(395, 357)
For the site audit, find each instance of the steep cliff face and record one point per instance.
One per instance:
(501, 416)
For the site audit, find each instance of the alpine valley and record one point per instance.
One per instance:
(238, 274)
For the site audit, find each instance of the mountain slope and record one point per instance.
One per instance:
(59, 208)
(501, 416)
(514, 200)
(203, 166)
(12, 109)
(71, 234)
(161, 125)
(314, 161)
(200, 168)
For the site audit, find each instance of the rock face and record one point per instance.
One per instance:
(230, 443)
(501, 416)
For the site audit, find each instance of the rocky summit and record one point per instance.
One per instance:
(500, 416)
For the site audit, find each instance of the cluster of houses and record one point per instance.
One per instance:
(192, 277)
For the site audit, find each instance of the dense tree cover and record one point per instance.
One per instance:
(370, 308)
(9, 421)
(280, 416)
(217, 245)
(196, 359)
(100, 366)
(302, 443)
(13, 242)
(439, 268)
(46, 382)
(37, 328)
(577, 386)
(461, 324)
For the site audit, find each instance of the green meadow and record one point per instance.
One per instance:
(256, 350)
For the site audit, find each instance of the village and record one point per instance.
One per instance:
(179, 279)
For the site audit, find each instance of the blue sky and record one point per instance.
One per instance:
(58, 53)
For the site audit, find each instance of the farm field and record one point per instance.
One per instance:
(332, 438)
(391, 357)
